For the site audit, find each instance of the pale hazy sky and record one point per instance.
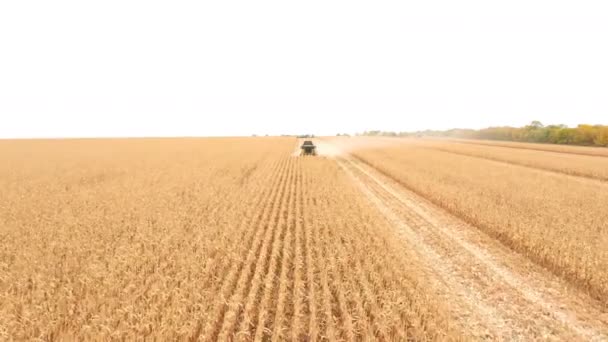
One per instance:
(162, 68)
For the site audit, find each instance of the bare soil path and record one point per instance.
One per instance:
(493, 292)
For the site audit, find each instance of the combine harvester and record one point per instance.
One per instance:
(308, 148)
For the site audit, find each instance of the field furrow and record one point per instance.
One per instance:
(281, 313)
(312, 273)
(212, 268)
(284, 310)
(253, 265)
(249, 311)
(254, 244)
(321, 322)
(262, 329)
(300, 289)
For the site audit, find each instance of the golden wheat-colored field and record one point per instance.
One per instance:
(209, 239)
(242, 239)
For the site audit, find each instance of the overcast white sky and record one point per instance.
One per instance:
(163, 68)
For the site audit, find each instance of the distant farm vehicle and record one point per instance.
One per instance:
(308, 148)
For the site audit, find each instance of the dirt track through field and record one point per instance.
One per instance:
(493, 292)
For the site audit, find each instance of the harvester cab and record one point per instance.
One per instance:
(308, 148)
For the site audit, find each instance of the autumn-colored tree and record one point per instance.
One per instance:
(534, 132)
(601, 138)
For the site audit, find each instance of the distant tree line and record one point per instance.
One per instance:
(586, 135)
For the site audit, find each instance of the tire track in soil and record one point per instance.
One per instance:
(572, 278)
(261, 329)
(213, 323)
(255, 262)
(464, 297)
(490, 295)
(515, 270)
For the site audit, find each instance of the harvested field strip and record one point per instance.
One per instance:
(566, 149)
(569, 164)
(482, 272)
(539, 220)
(464, 305)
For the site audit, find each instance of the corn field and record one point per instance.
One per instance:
(241, 239)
